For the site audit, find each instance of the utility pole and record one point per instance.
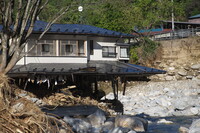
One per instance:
(172, 15)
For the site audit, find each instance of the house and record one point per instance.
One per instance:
(68, 48)
(181, 29)
(194, 19)
(79, 54)
(75, 43)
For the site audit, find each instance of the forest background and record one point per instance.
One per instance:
(122, 15)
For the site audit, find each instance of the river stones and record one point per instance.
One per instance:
(183, 130)
(195, 67)
(195, 127)
(97, 119)
(135, 123)
(78, 125)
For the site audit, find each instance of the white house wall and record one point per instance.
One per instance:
(57, 58)
(27, 60)
(98, 42)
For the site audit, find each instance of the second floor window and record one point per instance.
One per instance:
(46, 48)
(72, 48)
(124, 52)
(109, 51)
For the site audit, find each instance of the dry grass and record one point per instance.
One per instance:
(30, 119)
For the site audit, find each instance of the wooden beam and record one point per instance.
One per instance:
(124, 85)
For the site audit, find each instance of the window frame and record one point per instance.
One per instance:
(74, 46)
(128, 55)
(109, 54)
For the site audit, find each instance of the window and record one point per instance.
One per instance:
(68, 49)
(81, 48)
(91, 47)
(72, 48)
(124, 52)
(45, 47)
(108, 51)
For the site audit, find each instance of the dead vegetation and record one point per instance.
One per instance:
(21, 115)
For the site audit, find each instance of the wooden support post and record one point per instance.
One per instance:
(124, 85)
(117, 87)
(113, 87)
(25, 84)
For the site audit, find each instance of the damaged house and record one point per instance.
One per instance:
(79, 54)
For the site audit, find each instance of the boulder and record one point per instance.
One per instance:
(183, 130)
(134, 123)
(194, 110)
(78, 125)
(108, 125)
(97, 119)
(195, 127)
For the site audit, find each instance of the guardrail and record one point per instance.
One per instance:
(177, 34)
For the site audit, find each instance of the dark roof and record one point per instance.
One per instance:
(195, 16)
(93, 67)
(79, 29)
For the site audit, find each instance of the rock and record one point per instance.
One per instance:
(78, 125)
(18, 107)
(195, 67)
(164, 121)
(171, 68)
(119, 130)
(135, 123)
(169, 78)
(183, 130)
(108, 125)
(97, 119)
(182, 73)
(189, 77)
(180, 105)
(195, 127)
(194, 110)
(171, 73)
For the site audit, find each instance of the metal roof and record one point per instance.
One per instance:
(195, 16)
(93, 68)
(78, 29)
